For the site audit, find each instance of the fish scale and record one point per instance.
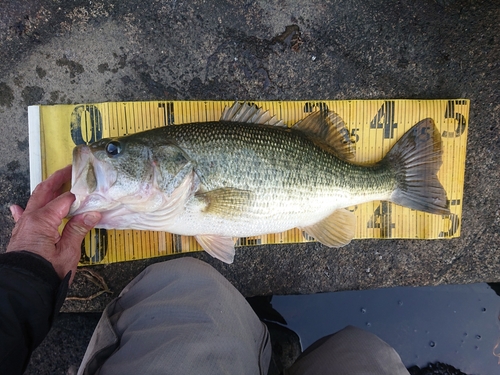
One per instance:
(284, 158)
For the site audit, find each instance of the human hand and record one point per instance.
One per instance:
(36, 228)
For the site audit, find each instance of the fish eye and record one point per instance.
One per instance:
(113, 148)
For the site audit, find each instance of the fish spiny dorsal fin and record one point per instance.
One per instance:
(245, 112)
(328, 128)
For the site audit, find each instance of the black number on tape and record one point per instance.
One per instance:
(177, 243)
(354, 135)
(168, 108)
(382, 219)
(308, 237)
(97, 249)
(86, 124)
(309, 107)
(422, 135)
(385, 119)
(459, 118)
(454, 225)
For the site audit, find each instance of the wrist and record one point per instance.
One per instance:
(32, 263)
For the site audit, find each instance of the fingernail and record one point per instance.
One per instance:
(11, 208)
(91, 219)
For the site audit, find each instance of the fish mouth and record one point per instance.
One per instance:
(90, 180)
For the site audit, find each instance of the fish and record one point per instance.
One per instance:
(248, 174)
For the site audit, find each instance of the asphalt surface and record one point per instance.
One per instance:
(80, 51)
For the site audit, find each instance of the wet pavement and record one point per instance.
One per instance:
(81, 51)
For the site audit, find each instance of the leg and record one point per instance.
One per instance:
(350, 351)
(179, 317)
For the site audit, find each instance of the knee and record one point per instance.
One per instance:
(179, 265)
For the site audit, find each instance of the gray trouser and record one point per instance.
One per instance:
(178, 317)
(183, 317)
(350, 351)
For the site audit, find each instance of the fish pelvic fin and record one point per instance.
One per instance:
(244, 112)
(219, 247)
(336, 230)
(416, 159)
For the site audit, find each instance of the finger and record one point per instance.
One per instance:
(73, 234)
(57, 209)
(68, 252)
(47, 190)
(77, 228)
(16, 211)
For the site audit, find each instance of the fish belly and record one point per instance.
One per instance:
(266, 217)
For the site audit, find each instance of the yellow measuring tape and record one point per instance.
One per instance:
(374, 126)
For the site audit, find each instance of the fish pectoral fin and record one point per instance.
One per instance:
(226, 202)
(219, 247)
(336, 230)
(328, 130)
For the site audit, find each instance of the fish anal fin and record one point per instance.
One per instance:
(219, 247)
(336, 230)
(244, 112)
(327, 128)
(225, 202)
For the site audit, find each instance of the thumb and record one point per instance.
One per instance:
(71, 241)
(16, 211)
(77, 228)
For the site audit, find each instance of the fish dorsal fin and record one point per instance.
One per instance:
(244, 112)
(328, 128)
(334, 231)
(219, 247)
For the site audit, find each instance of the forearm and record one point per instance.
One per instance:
(31, 293)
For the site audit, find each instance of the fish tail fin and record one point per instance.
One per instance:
(416, 159)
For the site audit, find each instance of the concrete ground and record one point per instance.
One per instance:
(80, 51)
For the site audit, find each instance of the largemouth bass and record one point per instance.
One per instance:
(249, 175)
